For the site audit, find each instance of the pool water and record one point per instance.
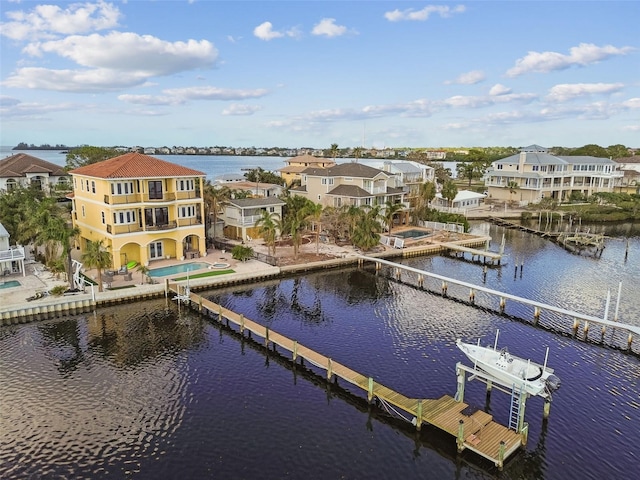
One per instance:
(9, 284)
(412, 233)
(181, 268)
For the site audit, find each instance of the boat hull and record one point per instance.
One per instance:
(507, 369)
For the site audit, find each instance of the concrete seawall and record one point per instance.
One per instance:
(57, 307)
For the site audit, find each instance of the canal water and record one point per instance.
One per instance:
(144, 391)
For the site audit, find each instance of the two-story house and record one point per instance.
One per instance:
(28, 171)
(144, 208)
(353, 184)
(534, 174)
(241, 214)
(411, 175)
(292, 171)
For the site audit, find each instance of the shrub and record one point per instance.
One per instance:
(242, 253)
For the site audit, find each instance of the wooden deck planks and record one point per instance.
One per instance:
(482, 434)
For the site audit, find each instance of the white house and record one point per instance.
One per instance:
(11, 258)
(465, 200)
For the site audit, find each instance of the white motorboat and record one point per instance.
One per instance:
(533, 378)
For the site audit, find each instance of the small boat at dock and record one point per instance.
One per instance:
(510, 370)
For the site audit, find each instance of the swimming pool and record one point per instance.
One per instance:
(9, 284)
(180, 268)
(412, 233)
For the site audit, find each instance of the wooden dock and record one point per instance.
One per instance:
(494, 257)
(476, 432)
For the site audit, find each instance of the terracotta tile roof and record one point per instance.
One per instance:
(135, 165)
(19, 164)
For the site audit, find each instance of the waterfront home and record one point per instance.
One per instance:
(11, 257)
(241, 214)
(534, 174)
(411, 175)
(292, 171)
(353, 184)
(257, 189)
(464, 200)
(144, 208)
(29, 171)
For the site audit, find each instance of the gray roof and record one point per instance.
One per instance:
(534, 148)
(349, 191)
(539, 158)
(405, 167)
(349, 169)
(256, 202)
(3, 231)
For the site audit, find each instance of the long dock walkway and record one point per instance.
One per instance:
(476, 432)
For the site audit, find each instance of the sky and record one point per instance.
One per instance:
(295, 74)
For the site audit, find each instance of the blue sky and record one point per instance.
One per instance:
(312, 73)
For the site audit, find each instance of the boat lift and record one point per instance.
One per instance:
(518, 395)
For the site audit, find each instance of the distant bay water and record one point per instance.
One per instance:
(212, 165)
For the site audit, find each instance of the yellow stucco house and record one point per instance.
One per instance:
(143, 208)
(296, 165)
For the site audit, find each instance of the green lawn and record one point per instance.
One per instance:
(204, 274)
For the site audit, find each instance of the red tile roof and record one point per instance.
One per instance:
(135, 165)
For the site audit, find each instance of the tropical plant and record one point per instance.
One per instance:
(314, 214)
(268, 226)
(96, 255)
(366, 234)
(449, 191)
(390, 210)
(242, 252)
(334, 151)
(357, 153)
(513, 188)
(295, 220)
(214, 200)
(86, 155)
(144, 273)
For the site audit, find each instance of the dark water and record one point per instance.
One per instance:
(138, 391)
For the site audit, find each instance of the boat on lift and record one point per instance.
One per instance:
(510, 370)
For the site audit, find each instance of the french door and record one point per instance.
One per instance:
(155, 250)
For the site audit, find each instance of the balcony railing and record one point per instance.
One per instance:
(140, 197)
(187, 222)
(186, 195)
(165, 226)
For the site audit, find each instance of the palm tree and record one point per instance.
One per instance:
(314, 214)
(144, 272)
(214, 199)
(357, 152)
(97, 256)
(367, 231)
(449, 191)
(390, 210)
(334, 151)
(268, 226)
(513, 188)
(295, 220)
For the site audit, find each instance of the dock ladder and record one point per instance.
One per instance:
(515, 411)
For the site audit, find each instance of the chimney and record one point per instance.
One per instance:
(523, 158)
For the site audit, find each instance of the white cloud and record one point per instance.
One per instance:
(127, 51)
(499, 89)
(632, 103)
(328, 28)
(469, 78)
(214, 93)
(241, 109)
(569, 91)
(50, 21)
(150, 99)
(79, 81)
(582, 55)
(265, 32)
(420, 15)
(631, 128)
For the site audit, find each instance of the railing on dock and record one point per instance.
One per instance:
(610, 333)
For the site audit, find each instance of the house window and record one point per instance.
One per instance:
(103, 219)
(499, 166)
(535, 168)
(11, 184)
(272, 209)
(185, 185)
(124, 217)
(348, 179)
(188, 211)
(319, 197)
(84, 214)
(93, 186)
(155, 190)
(87, 185)
(121, 188)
